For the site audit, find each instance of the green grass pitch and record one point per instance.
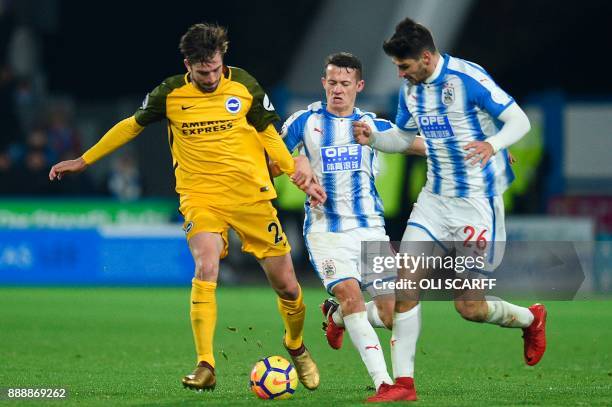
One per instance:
(131, 346)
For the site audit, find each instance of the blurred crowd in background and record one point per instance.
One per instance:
(66, 77)
(38, 128)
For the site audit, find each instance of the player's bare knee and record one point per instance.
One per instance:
(471, 310)
(288, 291)
(351, 305)
(348, 294)
(206, 270)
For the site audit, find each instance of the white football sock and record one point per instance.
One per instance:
(373, 317)
(367, 343)
(406, 330)
(372, 312)
(508, 315)
(338, 317)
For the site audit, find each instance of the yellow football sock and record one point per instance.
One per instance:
(293, 313)
(203, 318)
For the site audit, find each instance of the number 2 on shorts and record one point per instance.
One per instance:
(277, 237)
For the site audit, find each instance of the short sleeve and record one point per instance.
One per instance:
(488, 96)
(382, 124)
(293, 130)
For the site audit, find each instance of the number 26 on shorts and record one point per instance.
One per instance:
(481, 240)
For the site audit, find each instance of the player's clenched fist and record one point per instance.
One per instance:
(362, 132)
(302, 177)
(316, 194)
(65, 167)
(479, 152)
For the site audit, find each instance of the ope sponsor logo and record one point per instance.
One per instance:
(341, 151)
(432, 120)
(435, 126)
(341, 158)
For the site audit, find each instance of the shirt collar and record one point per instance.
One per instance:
(436, 73)
(354, 114)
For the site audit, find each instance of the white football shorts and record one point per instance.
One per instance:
(337, 257)
(472, 226)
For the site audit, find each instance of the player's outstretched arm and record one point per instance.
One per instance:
(274, 169)
(316, 194)
(66, 167)
(417, 147)
(303, 175)
(393, 140)
(516, 125)
(117, 136)
(276, 149)
(298, 168)
(362, 133)
(314, 190)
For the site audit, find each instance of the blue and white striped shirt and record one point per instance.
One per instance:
(345, 169)
(459, 104)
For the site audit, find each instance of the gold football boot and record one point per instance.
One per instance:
(202, 378)
(307, 370)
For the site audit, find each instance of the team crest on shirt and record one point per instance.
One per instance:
(233, 105)
(448, 94)
(329, 267)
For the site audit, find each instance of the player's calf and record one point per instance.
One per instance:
(382, 311)
(475, 311)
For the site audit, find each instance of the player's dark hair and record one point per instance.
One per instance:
(409, 40)
(202, 41)
(344, 60)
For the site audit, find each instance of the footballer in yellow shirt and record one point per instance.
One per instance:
(219, 131)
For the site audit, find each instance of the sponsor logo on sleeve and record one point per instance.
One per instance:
(145, 102)
(267, 104)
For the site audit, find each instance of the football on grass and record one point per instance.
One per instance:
(273, 378)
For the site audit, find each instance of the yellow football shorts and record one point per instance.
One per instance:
(255, 223)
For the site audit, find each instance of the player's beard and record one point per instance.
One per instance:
(208, 88)
(419, 77)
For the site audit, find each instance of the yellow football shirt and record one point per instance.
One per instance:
(218, 140)
(216, 152)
